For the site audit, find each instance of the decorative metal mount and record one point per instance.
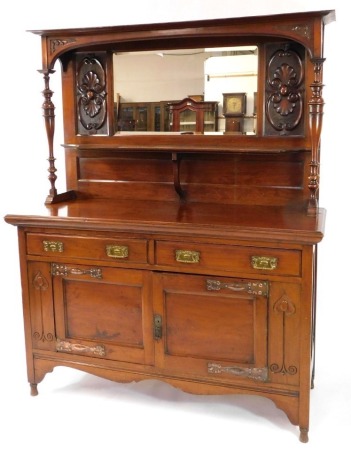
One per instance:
(66, 346)
(255, 373)
(63, 270)
(252, 287)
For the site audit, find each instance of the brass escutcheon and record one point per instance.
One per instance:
(187, 256)
(264, 262)
(117, 251)
(53, 246)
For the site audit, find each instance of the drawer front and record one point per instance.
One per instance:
(113, 249)
(244, 259)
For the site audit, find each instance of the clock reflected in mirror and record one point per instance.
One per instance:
(234, 104)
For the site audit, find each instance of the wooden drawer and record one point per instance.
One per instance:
(237, 259)
(112, 249)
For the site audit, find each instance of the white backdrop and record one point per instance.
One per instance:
(80, 421)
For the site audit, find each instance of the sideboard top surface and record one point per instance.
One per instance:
(275, 223)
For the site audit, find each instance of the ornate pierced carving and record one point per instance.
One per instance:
(284, 94)
(285, 307)
(91, 89)
(41, 284)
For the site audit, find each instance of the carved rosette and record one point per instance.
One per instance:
(91, 90)
(284, 93)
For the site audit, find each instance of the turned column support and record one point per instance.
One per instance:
(49, 118)
(316, 104)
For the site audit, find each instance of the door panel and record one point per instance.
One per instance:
(194, 323)
(106, 314)
(207, 331)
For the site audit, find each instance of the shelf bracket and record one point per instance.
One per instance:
(176, 159)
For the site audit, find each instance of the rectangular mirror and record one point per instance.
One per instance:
(200, 91)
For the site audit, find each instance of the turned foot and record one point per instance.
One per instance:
(33, 390)
(303, 435)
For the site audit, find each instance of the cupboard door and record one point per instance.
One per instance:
(103, 312)
(211, 326)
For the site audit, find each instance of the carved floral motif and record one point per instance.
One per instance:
(91, 88)
(284, 101)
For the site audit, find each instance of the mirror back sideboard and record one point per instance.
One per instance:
(182, 255)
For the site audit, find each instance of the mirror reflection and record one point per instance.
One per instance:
(186, 91)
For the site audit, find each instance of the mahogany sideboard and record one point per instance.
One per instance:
(189, 258)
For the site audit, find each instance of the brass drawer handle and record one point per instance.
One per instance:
(264, 262)
(117, 251)
(187, 256)
(53, 246)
